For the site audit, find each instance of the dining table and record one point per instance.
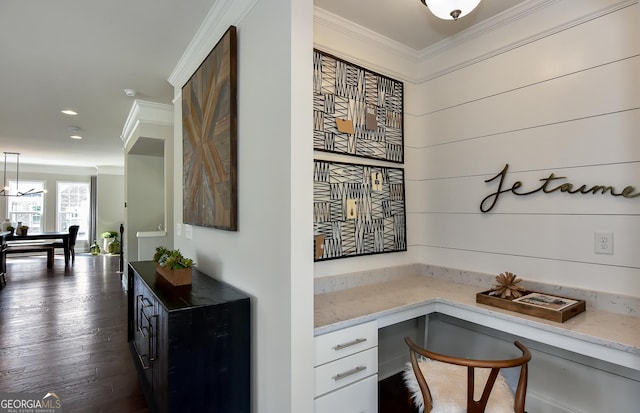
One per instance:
(38, 236)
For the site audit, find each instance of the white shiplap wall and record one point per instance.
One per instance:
(555, 90)
(566, 103)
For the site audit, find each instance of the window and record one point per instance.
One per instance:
(26, 209)
(73, 207)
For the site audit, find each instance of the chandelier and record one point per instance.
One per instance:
(5, 188)
(450, 9)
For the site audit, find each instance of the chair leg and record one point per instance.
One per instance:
(50, 257)
(73, 255)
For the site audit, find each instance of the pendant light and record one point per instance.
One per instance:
(5, 189)
(450, 9)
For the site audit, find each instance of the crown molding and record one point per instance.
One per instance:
(58, 169)
(223, 14)
(501, 20)
(148, 112)
(496, 22)
(392, 49)
(346, 27)
(395, 49)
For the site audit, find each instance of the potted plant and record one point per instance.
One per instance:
(108, 237)
(173, 266)
(22, 230)
(11, 229)
(114, 246)
(95, 248)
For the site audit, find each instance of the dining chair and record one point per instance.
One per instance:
(73, 236)
(436, 382)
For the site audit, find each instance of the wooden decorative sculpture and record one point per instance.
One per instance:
(507, 286)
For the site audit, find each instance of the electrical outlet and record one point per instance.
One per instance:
(603, 242)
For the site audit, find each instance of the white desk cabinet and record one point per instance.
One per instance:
(346, 370)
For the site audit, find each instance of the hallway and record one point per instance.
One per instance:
(66, 332)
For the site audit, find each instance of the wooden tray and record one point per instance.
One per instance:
(559, 315)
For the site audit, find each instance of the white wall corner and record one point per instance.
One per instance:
(327, 24)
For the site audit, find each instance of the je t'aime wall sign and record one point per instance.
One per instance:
(548, 185)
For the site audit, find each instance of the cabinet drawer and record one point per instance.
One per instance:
(342, 343)
(339, 373)
(360, 397)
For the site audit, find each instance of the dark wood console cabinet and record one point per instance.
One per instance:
(190, 344)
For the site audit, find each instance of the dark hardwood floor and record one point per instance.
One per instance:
(393, 396)
(65, 331)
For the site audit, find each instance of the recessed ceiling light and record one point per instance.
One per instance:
(69, 112)
(75, 137)
(130, 92)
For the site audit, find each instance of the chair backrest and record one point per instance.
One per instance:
(73, 234)
(473, 406)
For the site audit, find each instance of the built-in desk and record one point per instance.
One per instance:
(593, 335)
(611, 337)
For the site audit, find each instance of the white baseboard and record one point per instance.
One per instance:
(540, 405)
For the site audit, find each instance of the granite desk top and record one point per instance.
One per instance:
(609, 336)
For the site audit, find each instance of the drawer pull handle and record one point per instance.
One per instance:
(145, 301)
(141, 357)
(349, 344)
(351, 372)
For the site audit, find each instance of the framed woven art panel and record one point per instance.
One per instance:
(357, 210)
(356, 111)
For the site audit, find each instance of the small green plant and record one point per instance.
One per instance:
(172, 259)
(109, 234)
(95, 248)
(160, 251)
(10, 228)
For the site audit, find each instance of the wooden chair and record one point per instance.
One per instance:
(436, 383)
(73, 236)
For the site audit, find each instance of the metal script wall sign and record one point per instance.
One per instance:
(209, 129)
(356, 111)
(357, 210)
(549, 184)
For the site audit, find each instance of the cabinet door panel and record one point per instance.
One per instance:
(360, 397)
(342, 343)
(339, 373)
(195, 341)
(141, 330)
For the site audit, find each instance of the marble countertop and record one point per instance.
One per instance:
(421, 294)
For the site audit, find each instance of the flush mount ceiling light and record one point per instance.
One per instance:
(130, 92)
(69, 112)
(450, 9)
(5, 188)
(74, 130)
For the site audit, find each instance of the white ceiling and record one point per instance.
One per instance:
(409, 22)
(80, 54)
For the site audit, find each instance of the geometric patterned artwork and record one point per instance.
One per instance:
(209, 128)
(356, 111)
(357, 210)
